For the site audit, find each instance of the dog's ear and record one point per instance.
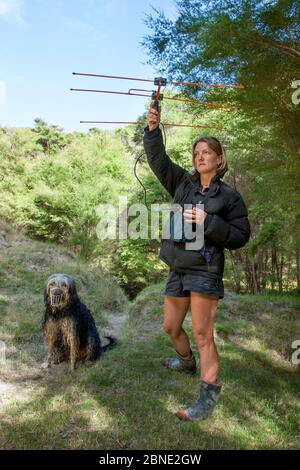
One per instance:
(74, 292)
(72, 289)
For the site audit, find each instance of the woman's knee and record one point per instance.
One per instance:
(204, 339)
(171, 329)
(175, 310)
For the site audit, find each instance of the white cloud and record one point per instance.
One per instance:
(12, 11)
(5, 7)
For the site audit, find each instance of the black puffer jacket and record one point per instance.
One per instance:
(226, 225)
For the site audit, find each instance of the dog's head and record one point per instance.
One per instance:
(60, 291)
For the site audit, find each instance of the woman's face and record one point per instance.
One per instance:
(206, 160)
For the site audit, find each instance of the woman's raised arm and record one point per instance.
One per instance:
(168, 172)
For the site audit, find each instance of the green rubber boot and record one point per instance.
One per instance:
(202, 408)
(182, 364)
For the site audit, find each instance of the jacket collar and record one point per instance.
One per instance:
(214, 186)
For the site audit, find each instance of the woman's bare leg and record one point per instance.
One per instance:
(204, 309)
(175, 310)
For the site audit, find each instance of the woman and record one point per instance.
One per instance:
(195, 277)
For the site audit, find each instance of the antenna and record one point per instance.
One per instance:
(156, 96)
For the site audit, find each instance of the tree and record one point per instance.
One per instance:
(50, 137)
(252, 43)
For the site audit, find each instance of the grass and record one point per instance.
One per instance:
(127, 400)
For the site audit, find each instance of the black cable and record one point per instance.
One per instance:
(140, 156)
(134, 170)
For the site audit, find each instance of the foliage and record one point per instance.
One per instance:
(54, 196)
(50, 137)
(255, 44)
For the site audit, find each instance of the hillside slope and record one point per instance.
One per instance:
(127, 400)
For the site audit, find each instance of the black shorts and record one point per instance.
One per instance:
(181, 285)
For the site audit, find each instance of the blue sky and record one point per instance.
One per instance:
(43, 41)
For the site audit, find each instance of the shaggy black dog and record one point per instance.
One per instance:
(68, 326)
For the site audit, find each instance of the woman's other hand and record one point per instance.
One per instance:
(194, 215)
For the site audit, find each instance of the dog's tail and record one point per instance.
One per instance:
(112, 343)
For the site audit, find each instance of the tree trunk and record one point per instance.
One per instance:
(255, 288)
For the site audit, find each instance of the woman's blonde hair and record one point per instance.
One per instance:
(215, 145)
